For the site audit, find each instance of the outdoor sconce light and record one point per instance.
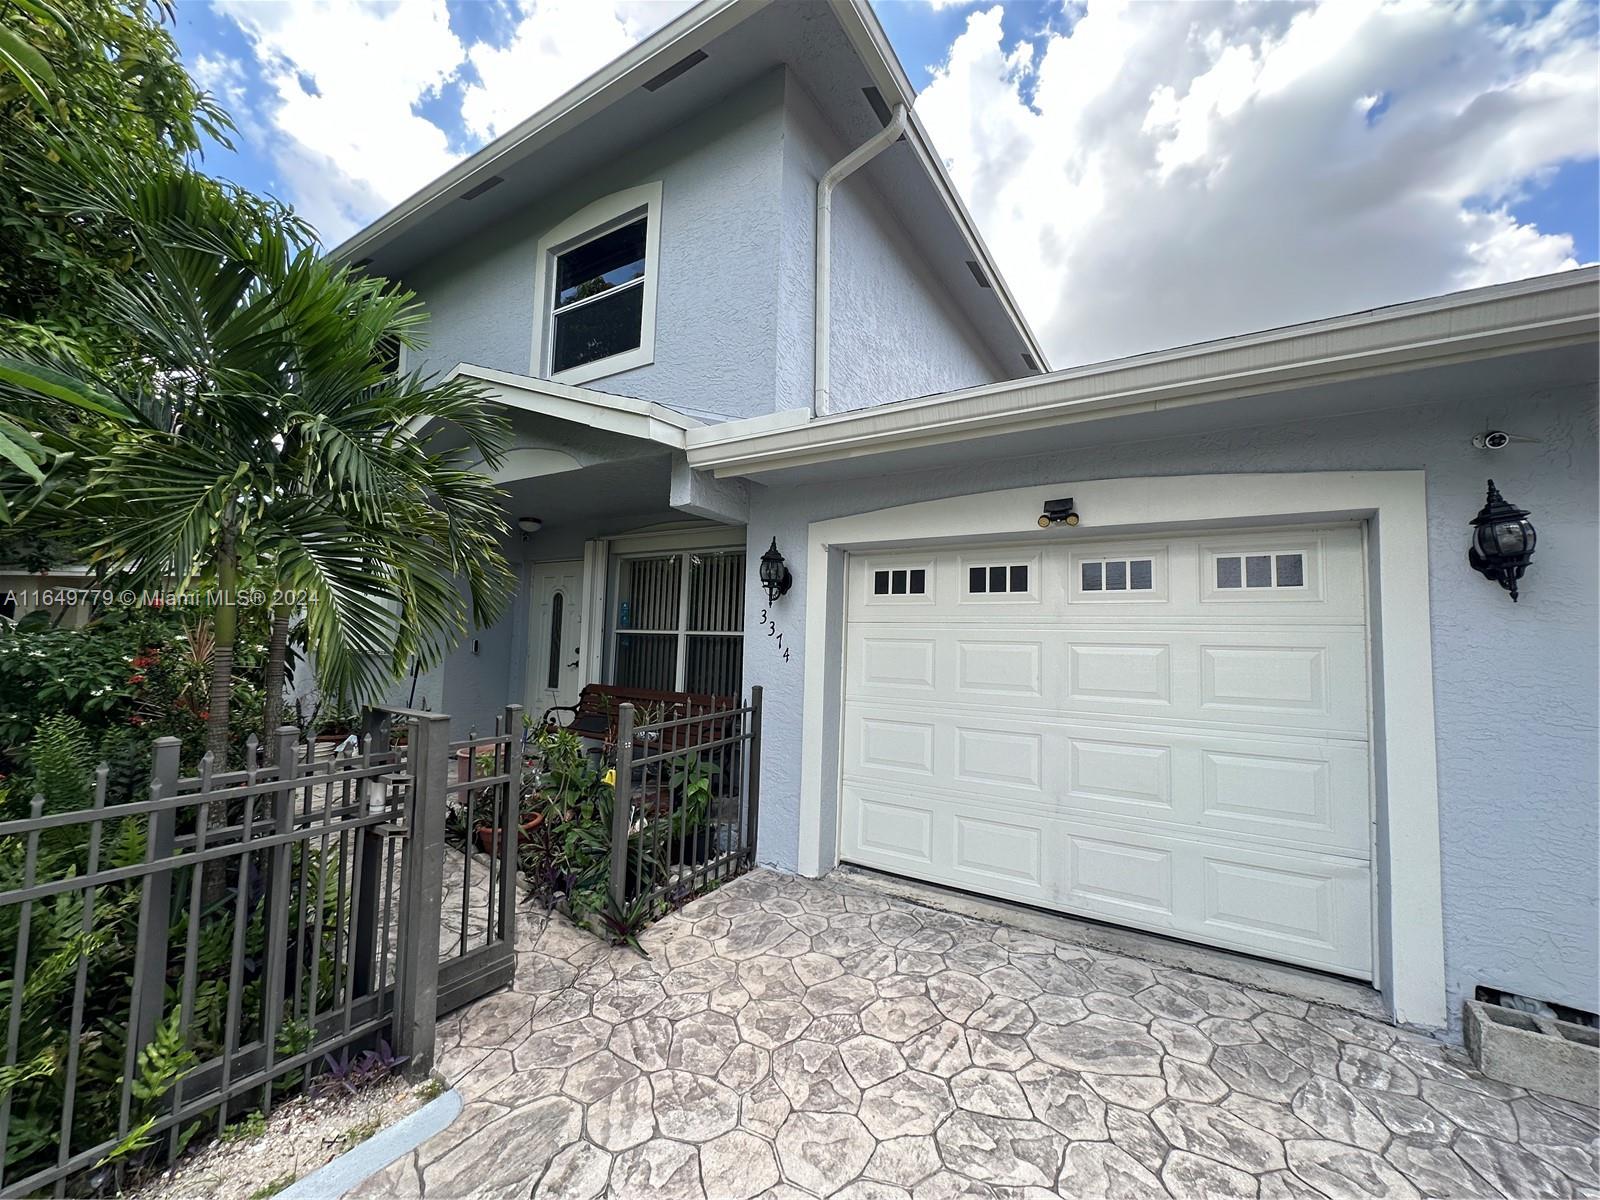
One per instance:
(1502, 541)
(529, 526)
(1057, 512)
(775, 576)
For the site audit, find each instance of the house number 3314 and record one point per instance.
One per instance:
(771, 627)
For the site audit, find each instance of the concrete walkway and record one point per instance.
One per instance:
(791, 1037)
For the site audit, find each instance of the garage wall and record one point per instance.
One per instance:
(1518, 829)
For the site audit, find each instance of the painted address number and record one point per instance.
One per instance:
(771, 627)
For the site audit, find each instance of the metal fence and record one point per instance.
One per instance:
(687, 803)
(203, 950)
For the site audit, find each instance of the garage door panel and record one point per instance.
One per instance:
(1169, 733)
(1310, 910)
(1005, 668)
(1291, 680)
(1273, 790)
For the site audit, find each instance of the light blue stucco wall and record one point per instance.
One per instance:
(716, 323)
(735, 287)
(896, 333)
(1514, 685)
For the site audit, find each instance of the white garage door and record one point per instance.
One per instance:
(1168, 733)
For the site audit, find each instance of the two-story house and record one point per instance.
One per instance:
(1187, 642)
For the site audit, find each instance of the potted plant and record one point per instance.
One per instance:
(531, 817)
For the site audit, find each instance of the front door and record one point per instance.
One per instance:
(555, 638)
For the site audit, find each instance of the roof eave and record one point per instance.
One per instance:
(1530, 315)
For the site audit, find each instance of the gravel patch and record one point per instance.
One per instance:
(300, 1136)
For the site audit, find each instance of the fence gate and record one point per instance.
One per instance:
(481, 798)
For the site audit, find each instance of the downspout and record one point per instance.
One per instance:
(835, 175)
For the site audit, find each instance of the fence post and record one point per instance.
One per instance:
(622, 806)
(155, 908)
(512, 830)
(752, 794)
(369, 850)
(422, 896)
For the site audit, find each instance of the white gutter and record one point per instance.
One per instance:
(821, 309)
(1525, 316)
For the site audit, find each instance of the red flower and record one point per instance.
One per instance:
(135, 678)
(135, 720)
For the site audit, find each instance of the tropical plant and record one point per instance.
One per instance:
(276, 445)
(73, 73)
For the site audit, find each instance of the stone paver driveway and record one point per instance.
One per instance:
(791, 1037)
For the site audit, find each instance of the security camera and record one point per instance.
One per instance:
(1494, 439)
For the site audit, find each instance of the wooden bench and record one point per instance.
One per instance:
(594, 716)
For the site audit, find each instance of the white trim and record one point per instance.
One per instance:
(583, 406)
(1513, 318)
(1394, 502)
(591, 221)
(698, 536)
(592, 639)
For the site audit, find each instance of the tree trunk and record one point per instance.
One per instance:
(225, 627)
(272, 681)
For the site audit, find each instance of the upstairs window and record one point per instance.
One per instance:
(599, 302)
(597, 279)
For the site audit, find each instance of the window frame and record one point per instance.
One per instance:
(682, 633)
(595, 220)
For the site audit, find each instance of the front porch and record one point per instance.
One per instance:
(792, 1037)
(630, 566)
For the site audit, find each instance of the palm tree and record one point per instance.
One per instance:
(274, 445)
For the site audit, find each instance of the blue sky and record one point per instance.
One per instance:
(1145, 174)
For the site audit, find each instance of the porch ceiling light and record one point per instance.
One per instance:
(1502, 541)
(775, 576)
(529, 525)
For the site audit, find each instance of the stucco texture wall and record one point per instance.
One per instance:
(716, 323)
(895, 333)
(1514, 685)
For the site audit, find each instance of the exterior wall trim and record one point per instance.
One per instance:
(1405, 764)
(583, 406)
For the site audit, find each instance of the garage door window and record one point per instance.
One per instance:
(1118, 575)
(908, 581)
(1261, 571)
(997, 580)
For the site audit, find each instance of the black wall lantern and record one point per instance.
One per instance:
(775, 576)
(1502, 541)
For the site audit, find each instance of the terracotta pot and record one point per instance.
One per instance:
(486, 833)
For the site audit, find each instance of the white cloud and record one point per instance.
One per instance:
(1180, 172)
(556, 44)
(347, 82)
